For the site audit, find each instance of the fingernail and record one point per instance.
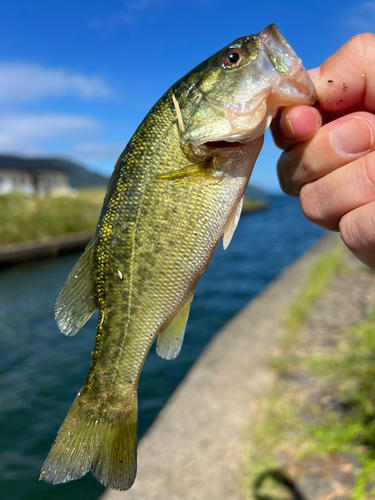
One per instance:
(314, 74)
(287, 126)
(353, 136)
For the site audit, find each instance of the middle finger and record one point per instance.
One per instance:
(334, 145)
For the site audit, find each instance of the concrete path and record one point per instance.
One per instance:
(194, 449)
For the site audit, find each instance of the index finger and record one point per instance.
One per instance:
(345, 83)
(347, 78)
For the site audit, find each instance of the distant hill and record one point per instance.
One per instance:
(79, 177)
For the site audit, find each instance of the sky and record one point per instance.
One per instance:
(77, 77)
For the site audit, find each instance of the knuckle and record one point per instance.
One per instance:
(294, 170)
(368, 170)
(282, 174)
(306, 170)
(357, 230)
(310, 203)
(285, 174)
(316, 205)
(362, 40)
(349, 231)
(362, 47)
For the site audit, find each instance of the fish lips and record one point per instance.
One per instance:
(276, 51)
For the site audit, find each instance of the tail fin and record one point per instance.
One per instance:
(106, 445)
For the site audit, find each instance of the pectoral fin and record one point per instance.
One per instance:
(170, 340)
(77, 300)
(232, 224)
(202, 168)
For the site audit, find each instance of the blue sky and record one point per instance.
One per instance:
(77, 77)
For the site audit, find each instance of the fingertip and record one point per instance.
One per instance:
(314, 74)
(295, 124)
(303, 121)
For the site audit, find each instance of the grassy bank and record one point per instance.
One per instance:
(25, 218)
(317, 427)
(253, 205)
(321, 275)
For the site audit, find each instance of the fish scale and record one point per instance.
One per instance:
(175, 191)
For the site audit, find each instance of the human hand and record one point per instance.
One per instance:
(329, 157)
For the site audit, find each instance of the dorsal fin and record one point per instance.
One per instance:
(232, 224)
(77, 300)
(170, 340)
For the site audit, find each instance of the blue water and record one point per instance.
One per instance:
(41, 370)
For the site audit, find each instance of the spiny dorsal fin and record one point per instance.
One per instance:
(232, 224)
(77, 300)
(170, 340)
(180, 121)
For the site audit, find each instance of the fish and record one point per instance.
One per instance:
(175, 192)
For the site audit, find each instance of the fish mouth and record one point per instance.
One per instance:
(223, 144)
(293, 81)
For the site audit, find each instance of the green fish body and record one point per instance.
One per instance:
(176, 190)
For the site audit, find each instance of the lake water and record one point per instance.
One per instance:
(41, 370)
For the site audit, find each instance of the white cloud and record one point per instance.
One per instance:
(28, 82)
(56, 134)
(32, 133)
(361, 17)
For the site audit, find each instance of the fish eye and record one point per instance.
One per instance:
(232, 58)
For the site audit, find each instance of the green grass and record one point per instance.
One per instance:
(24, 218)
(349, 373)
(353, 369)
(28, 217)
(321, 274)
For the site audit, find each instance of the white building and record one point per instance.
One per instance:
(31, 178)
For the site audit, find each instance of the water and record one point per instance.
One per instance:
(41, 371)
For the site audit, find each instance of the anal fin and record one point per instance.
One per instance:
(232, 224)
(170, 340)
(77, 300)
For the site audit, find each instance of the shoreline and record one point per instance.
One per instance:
(252, 205)
(17, 253)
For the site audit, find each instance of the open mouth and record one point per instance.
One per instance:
(223, 144)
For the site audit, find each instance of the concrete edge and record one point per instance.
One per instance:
(195, 447)
(49, 247)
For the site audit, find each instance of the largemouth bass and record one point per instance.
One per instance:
(176, 190)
